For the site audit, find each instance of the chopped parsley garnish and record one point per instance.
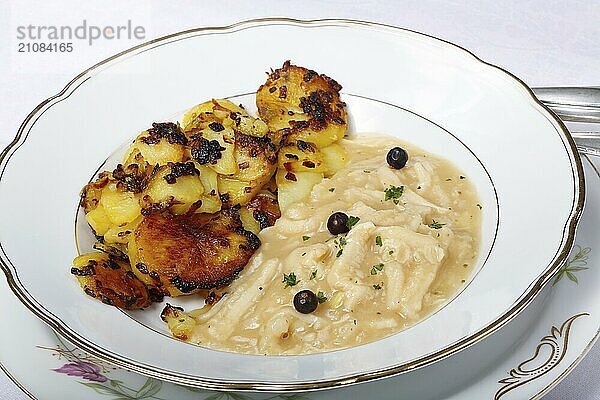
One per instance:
(305, 238)
(479, 205)
(378, 241)
(394, 193)
(331, 189)
(377, 287)
(290, 280)
(340, 243)
(352, 221)
(435, 225)
(321, 297)
(313, 275)
(376, 267)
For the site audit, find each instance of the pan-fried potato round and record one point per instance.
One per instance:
(176, 185)
(110, 281)
(304, 103)
(184, 254)
(163, 143)
(187, 201)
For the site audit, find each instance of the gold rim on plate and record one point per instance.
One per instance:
(148, 370)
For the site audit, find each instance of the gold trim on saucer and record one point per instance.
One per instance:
(558, 341)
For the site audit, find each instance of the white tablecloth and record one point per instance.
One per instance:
(545, 43)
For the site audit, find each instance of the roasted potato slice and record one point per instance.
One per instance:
(180, 323)
(186, 253)
(260, 213)
(176, 186)
(334, 157)
(235, 192)
(256, 159)
(110, 281)
(163, 143)
(293, 187)
(300, 156)
(215, 148)
(120, 206)
(303, 103)
(226, 113)
(211, 201)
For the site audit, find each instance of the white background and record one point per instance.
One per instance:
(545, 43)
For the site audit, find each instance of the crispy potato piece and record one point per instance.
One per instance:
(121, 207)
(300, 156)
(180, 323)
(176, 186)
(162, 143)
(226, 113)
(186, 253)
(304, 104)
(260, 213)
(111, 281)
(256, 159)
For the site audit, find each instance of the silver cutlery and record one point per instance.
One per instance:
(575, 104)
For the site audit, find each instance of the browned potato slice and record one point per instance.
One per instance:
(121, 207)
(164, 142)
(260, 213)
(256, 159)
(183, 254)
(334, 157)
(176, 186)
(293, 187)
(226, 113)
(110, 281)
(180, 323)
(215, 148)
(91, 193)
(305, 104)
(300, 156)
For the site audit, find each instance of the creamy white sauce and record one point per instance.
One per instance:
(372, 289)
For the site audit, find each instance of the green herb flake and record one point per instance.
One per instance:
(352, 220)
(340, 243)
(435, 225)
(377, 287)
(321, 297)
(305, 238)
(290, 280)
(394, 193)
(313, 275)
(332, 190)
(378, 241)
(376, 267)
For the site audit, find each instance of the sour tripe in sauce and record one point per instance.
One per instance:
(412, 244)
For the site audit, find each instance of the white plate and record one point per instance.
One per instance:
(419, 88)
(31, 352)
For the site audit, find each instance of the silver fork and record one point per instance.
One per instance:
(577, 105)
